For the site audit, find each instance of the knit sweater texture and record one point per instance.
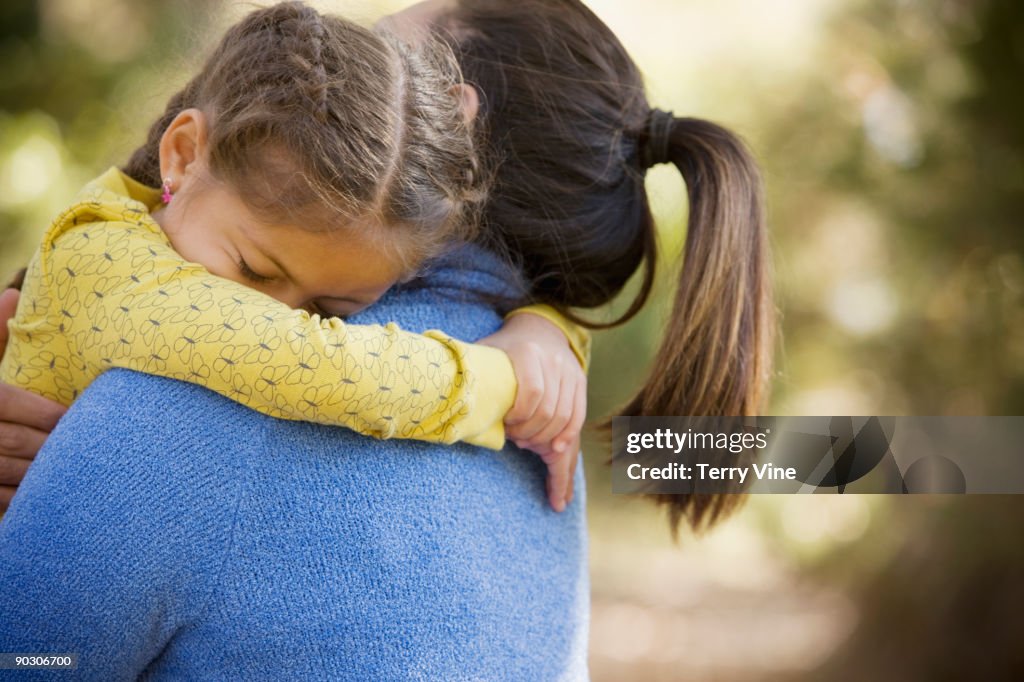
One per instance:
(166, 532)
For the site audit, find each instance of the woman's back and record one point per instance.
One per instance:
(217, 543)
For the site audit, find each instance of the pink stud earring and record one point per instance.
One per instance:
(166, 196)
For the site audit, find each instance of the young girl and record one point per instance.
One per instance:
(566, 114)
(308, 167)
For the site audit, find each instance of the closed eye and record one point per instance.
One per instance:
(250, 274)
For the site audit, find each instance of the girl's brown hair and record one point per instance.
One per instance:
(320, 121)
(567, 118)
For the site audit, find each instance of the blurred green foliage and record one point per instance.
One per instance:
(80, 83)
(919, 196)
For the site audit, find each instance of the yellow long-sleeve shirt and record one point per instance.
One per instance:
(107, 289)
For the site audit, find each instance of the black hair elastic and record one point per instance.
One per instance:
(659, 128)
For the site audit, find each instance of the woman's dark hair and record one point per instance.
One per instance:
(567, 122)
(320, 120)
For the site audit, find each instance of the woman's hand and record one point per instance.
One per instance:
(551, 403)
(26, 419)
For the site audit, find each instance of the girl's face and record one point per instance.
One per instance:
(335, 272)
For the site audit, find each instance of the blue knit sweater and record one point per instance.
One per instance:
(169, 533)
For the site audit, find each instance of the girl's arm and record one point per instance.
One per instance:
(118, 295)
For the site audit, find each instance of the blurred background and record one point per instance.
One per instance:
(891, 134)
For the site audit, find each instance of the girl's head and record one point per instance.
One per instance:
(564, 111)
(334, 150)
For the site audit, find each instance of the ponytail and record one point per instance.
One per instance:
(715, 356)
(571, 134)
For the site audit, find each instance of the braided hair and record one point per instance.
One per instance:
(317, 121)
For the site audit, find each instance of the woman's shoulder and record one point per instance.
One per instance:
(132, 502)
(149, 451)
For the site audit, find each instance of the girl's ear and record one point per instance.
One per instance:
(183, 146)
(469, 99)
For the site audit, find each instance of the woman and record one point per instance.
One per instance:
(564, 109)
(165, 531)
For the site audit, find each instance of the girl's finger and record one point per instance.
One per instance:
(530, 392)
(556, 424)
(547, 410)
(572, 430)
(558, 481)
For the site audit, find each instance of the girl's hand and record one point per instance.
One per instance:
(551, 403)
(25, 418)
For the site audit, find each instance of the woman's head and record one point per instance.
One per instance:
(571, 133)
(559, 96)
(315, 122)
